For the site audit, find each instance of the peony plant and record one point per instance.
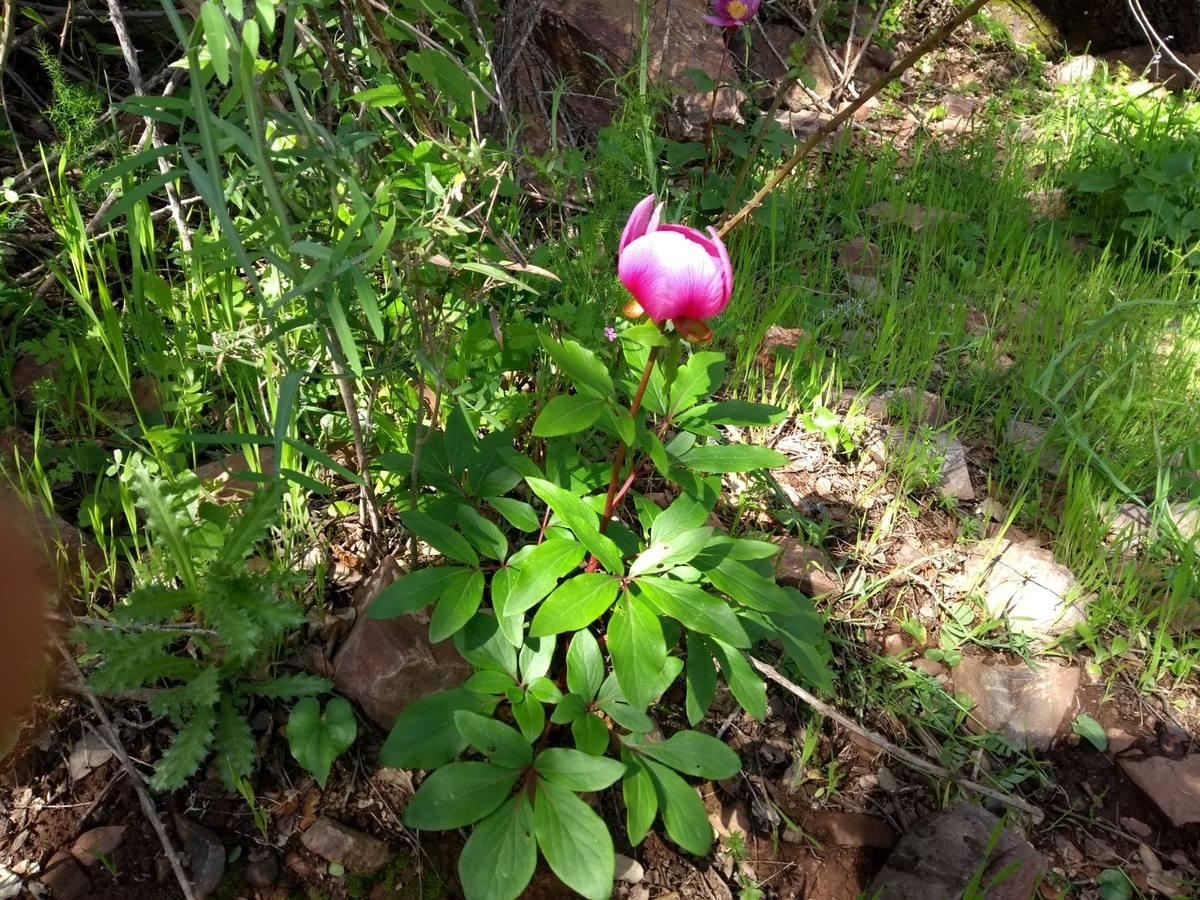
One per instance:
(580, 615)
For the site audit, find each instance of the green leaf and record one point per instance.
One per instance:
(585, 666)
(234, 743)
(701, 679)
(458, 603)
(581, 367)
(575, 604)
(545, 690)
(530, 716)
(458, 794)
(695, 754)
(1114, 885)
(535, 658)
(581, 519)
(539, 571)
(1091, 730)
(590, 734)
(517, 513)
(488, 682)
(410, 592)
(569, 708)
(732, 458)
(439, 536)
(483, 644)
(298, 685)
(694, 608)
(425, 734)
(500, 856)
(578, 771)
(736, 412)
(501, 744)
(567, 414)
(574, 840)
(683, 811)
(484, 535)
(684, 514)
(670, 552)
(748, 689)
(641, 802)
(698, 377)
(637, 648)
(749, 588)
(212, 20)
(317, 738)
(187, 751)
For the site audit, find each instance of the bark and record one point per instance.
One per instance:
(1102, 25)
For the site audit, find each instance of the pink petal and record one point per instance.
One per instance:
(639, 221)
(724, 263)
(671, 275)
(722, 21)
(717, 252)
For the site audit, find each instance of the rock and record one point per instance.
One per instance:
(1023, 705)
(386, 664)
(929, 407)
(806, 568)
(1032, 439)
(956, 479)
(894, 645)
(147, 394)
(912, 215)
(16, 445)
(231, 478)
(205, 853)
(946, 850)
(64, 878)
(1137, 827)
(858, 256)
(1049, 203)
(1118, 741)
(10, 884)
(89, 753)
(778, 338)
(1024, 584)
(846, 829)
(590, 39)
(803, 123)
(628, 870)
(1186, 517)
(97, 842)
(262, 869)
(26, 373)
(930, 667)
(1172, 785)
(770, 58)
(1075, 70)
(338, 843)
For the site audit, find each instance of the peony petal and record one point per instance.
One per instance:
(639, 220)
(671, 275)
(724, 263)
(720, 259)
(722, 21)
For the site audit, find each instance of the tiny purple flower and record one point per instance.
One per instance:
(610, 333)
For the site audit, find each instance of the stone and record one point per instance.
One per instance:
(847, 829)
(262, 869)
(929, 407)
(628, 870)
(729, 818)
(64, 878)
(338, 843)
(777, 338)
(230, 478)
(1172, 785)
(27, 372)
(1024, 584)
(1033, 440)
(97, 842)
(1075, 70)
(770, 58)
(860, 257)
(912, 215)
(894, 645)
(205, 856)
(16, 445)
(1049, 203)
(1118, 741)
(386, 664)
(930, 667)
(946, 850)
(956, 478)
(590, 39)
(89, 753)
(1024, 706)
(10, 884)
(806, 568)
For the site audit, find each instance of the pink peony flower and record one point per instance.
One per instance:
(732, 13)
(673, 272)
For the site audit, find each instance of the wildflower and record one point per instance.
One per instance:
(610, 333)
(674, 272)
(732, 13)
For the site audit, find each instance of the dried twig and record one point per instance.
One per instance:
(931, 42)
(906, 757)
(109, 734)
(139, 87)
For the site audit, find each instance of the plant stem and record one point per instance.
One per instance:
(619, 462)
(712, 106)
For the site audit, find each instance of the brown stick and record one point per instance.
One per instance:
(930, 43)
(909, 759)
(110, 736)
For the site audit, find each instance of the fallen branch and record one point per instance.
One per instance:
(909, 759)
(930, 43)
(109, 733)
